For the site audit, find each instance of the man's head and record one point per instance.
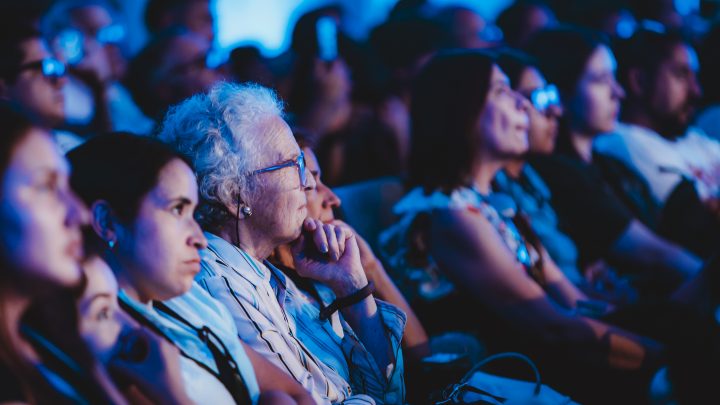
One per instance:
(171, 68)
(30, 78)
(194, 15)
(659, 73)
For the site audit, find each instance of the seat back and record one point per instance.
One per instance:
(367, 206)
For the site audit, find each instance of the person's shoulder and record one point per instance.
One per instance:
(452, 223)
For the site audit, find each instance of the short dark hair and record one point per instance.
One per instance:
(646, 50)
(448, 96)
(12, 40)
(563, 54)
(120, 168)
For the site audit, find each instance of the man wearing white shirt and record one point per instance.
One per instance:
(659, 73)
(680, 164)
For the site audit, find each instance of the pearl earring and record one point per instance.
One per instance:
(246, 211)
(111, 244)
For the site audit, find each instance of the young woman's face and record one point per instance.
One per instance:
(543, 124)
(101, 321)
(595, 106)
(159, 250)
(503, 122)
(40, 216)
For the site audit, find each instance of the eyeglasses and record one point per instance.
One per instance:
(299, 162)
(70, 41)
(50, 67)
(545, 97)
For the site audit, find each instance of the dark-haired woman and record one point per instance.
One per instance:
(469, 263)
(582, 66)
(40, 250)
(143, 197)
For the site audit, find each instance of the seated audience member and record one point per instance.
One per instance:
(465, 28)
(144, 365)
(680, 163)
(32, 80)
(583, 68)
(530, 193)
(708, 118)
(321, 201)
(465, 264)
(87, 35)
(522, 19)
(253, 182)
(169, 69)
(41, 249)
(194, 15)
(142, 197)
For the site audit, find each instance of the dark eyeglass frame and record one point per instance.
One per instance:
(298, 161)
(49, 67)
(545, 97)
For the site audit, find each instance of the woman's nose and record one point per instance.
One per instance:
(197, 238)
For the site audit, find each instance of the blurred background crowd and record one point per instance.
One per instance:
(539, 176)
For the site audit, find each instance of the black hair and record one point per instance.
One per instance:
(513, 20)
(563, 54)
(304, 138)
(120, 168)
(12, 41)
(448, 96)
(513, 63)
(645, 51)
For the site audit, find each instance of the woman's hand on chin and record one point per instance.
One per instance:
(329, 254)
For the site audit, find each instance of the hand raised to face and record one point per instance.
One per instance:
(329, 254)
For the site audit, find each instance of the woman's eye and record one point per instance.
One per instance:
(178, 210)
(103, 315)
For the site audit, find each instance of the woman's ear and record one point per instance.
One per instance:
(103, 221)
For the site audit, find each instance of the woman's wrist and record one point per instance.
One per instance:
(349, 284)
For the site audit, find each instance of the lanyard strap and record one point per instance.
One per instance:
(237, 391)
(228, 370)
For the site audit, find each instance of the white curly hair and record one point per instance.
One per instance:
(222, 132)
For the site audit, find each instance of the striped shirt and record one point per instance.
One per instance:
(282, 323)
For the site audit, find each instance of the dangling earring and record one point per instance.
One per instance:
(111, 244)
(246, 211)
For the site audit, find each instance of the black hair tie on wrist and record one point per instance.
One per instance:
(354, 298)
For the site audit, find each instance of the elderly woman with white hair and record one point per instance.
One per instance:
(340, 344)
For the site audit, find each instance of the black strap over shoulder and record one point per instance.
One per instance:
(228, 373)
(228, 370)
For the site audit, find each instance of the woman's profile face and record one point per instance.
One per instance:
(503, 122)
(100, 319)
(595, 106)
(321, 199)
(543, 127)
(280, 205)
(40, 215)
(159, 250)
